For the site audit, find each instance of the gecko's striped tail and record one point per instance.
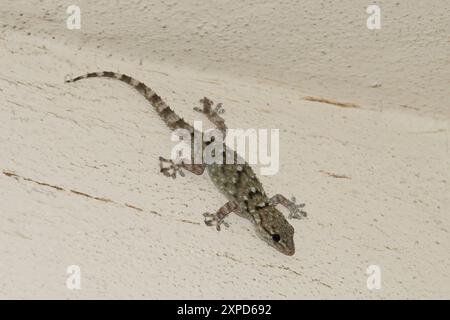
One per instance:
(172, 120)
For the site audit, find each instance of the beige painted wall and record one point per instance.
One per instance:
(79, 180)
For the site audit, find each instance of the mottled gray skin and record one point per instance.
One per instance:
(240, 185)
(245, 194)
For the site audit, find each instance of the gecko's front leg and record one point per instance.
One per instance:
(169, 168)
(213, 115)
(218, 218)
(295, 210)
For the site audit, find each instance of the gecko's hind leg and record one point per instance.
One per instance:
(295, 210)
(213, 115)
(172, 168)
(217, 219)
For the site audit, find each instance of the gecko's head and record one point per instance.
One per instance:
(275, 230)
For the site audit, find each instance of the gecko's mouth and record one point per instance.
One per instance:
(289, 252)
(286, 247)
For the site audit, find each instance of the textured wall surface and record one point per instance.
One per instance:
(79, 173)
(316, 47)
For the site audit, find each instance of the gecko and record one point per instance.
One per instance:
(238, 182)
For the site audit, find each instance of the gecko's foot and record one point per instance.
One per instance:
(213, 219)
(213, 114)
(208, 110)
(171, 169)
(295, 210)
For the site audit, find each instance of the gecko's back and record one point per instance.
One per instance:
(238, 182)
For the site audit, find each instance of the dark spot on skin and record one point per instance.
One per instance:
(141, 87)
(238, 180)
(155, 98)
(180, 123)
(126, 78)
(165, 113)
(108, 74)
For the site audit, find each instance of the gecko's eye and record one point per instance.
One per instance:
(276, 237)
